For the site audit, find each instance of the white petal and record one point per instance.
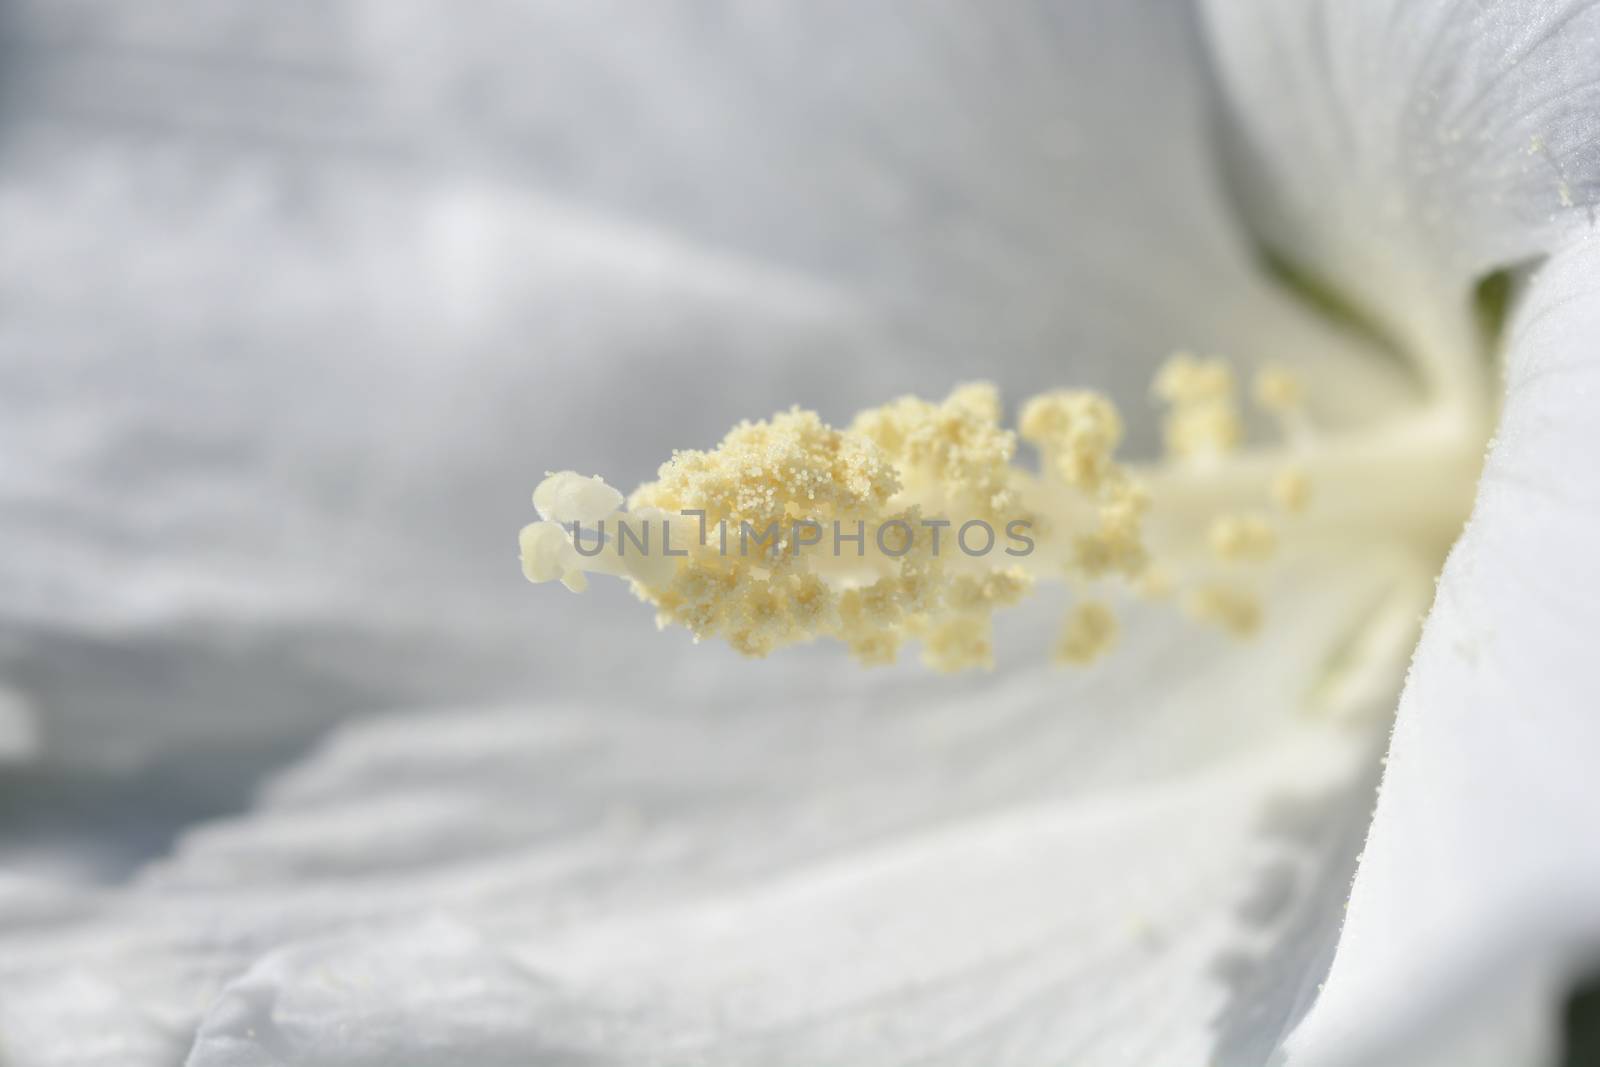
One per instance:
(1402, 149)
(1480, 892)
(734, 875)
(1026, 186)
(19, 728)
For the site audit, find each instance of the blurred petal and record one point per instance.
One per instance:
(907, 869)
(19, 728)
(1402, 149)
(252, 497)
(1479, 895)
(1026, 189)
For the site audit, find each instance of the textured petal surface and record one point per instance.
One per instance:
(1401, 151)
(1033, 189)
(1403, 148)
(903, 871)
(1479, 896)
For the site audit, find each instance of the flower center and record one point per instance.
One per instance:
(914, 524)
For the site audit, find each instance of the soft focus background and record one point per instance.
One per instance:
(298, 301)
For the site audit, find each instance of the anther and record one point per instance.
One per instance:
(1090, 631)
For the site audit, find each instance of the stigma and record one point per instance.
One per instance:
(916, 523)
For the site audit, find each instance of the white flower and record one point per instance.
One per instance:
(295, 304)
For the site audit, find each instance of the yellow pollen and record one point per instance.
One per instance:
(1242, 538)
(1234, 610)
(1090, 631)
(959, 644)
(1154, 584)
(1291, 490)
(862, 535)
(1202, 411)
(1276, 390)
(955, 450)
(1076, 432)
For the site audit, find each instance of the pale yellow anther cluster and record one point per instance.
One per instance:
(1116, 545)
(1277, 390)
(951, 456)
(762, 470)
(927, 468)
(1076, 433)
(766, 474)
(1235, 610)
(1203, 420)
(961, 635)
(898, 464)
(1291, 489)
(1242, 538)
(1089, 633)
(1155, 583)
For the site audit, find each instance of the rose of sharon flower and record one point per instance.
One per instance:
(299, 301)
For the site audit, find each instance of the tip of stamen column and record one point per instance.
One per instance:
(567, 496)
